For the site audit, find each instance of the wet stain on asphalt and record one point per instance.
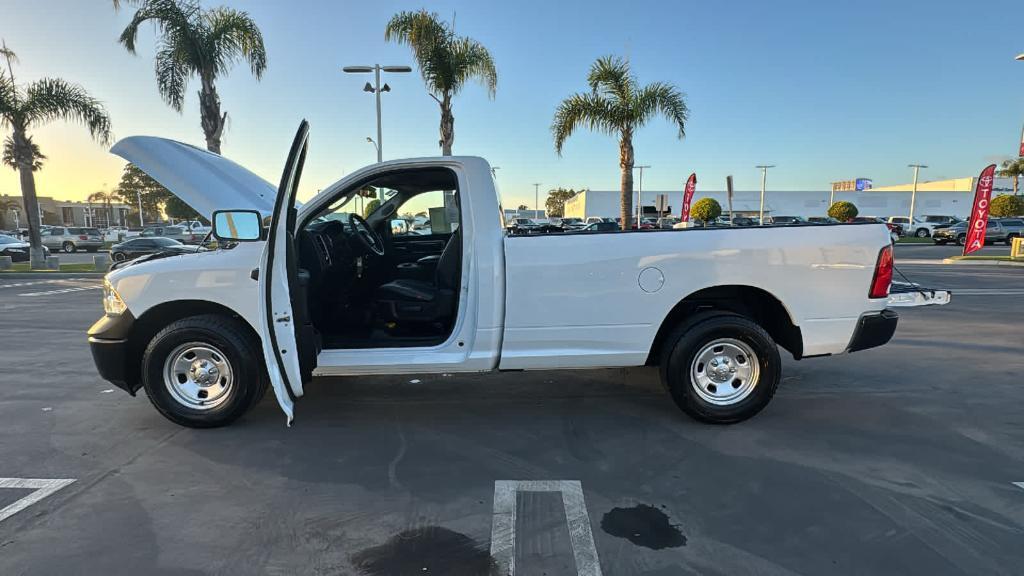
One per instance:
(427, 550)
(643, 525)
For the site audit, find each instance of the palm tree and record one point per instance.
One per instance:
(104, 198)
(446, 62)
(197, 42)
(10, 157)
(616, 105)
(30, 106)
(1013, 169)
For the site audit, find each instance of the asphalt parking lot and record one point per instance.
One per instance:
(896, 460)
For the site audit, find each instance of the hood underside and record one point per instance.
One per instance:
(203, 180)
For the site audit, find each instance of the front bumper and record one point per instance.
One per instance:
(873, 330)
(112, 351)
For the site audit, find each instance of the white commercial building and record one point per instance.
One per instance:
(944, 197)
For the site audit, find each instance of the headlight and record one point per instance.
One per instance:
(112, 303)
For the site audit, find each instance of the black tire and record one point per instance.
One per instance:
(68, 248)
(242, 353)
(921, 233)
(961, 240)
(118, 257)
(683, 345)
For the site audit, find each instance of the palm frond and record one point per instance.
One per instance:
(611, 76)
(166, 15)
(664, 99)
(10, 107)
(471, 60)
(592, 111)
(234, 34)
(55, 99)
(171, 76)
(10, 154)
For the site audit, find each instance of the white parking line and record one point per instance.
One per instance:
(61, 291)
(503, 523)
(42, 487)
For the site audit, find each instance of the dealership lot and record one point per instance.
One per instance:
(896, 460)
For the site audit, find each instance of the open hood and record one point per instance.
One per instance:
(203, 180)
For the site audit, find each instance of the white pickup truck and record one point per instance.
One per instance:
(324, 292)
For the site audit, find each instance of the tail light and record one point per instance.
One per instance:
(83, 237)
(883, 274)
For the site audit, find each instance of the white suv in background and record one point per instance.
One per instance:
(920, 229)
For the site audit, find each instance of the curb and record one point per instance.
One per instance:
(983, 263)
(54, 275)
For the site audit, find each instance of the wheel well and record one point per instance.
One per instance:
(160, 316)
(754, 303)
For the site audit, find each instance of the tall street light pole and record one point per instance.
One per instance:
(376, 88)
(913, 197)
(536, 198)
(764, 178)
(639, 194)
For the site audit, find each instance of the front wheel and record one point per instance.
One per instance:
(68, 247)
(721, 368)
(119, 257)
(921, 233)
(203, 371)
(961, 240)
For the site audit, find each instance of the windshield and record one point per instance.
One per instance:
(165, 242)
(8, 240)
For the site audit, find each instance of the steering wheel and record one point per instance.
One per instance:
(366, 235)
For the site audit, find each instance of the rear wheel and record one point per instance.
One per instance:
(961, 240)
(68, 247)
(118, 256)
(721, 367)
(203, 371)
(921, 233)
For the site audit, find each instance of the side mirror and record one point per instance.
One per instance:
(238, 225)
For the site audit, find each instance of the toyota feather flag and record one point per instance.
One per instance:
(979, 213)
(1021, 154)
(691, 186)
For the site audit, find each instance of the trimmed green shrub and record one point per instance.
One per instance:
(843, 211)
(706, 209)
(1006, 205)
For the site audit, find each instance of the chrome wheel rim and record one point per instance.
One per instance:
(198, 376)
(724, 372)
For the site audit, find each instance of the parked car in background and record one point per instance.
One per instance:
(135, 247)
(822, 220)
(957, 233)
(70, 240)
(895, 230)
(784, 220)
(521, 226)
(1014, 228)
(936, 220)
(667, 222)
(571, 223)
(601, 226)
(179, 233)
(920, 228)
(16, 248)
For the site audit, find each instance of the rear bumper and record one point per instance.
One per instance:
(112, 351)
(873, 330)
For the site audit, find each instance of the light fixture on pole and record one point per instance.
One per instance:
(639, 193)
(913, 197)
(536, 198)
(371, 141)
(1019, 57)
(494, 171)
(764, 177)
(376, 88)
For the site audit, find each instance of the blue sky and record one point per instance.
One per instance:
(824, 90)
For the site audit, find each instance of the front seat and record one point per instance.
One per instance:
(408, 299)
